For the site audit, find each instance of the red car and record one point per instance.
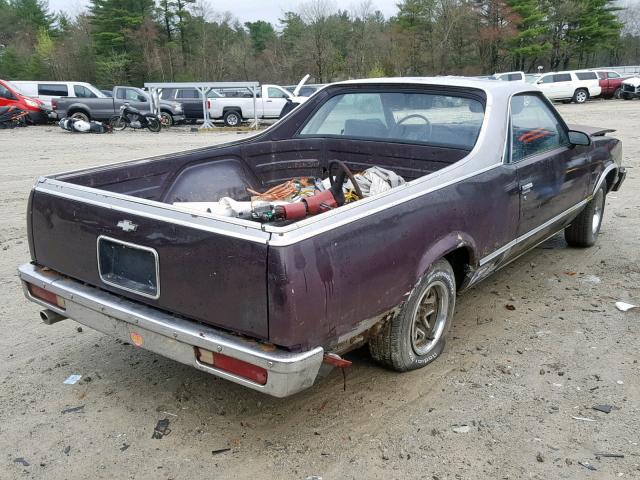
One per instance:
(10, 96)
(611, 83)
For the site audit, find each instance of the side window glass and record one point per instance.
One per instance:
(534, 127)
(547, 79)
(276, 93)
(131, 95)
(562, 77)
(613, 75)
(5, 93)
(83, 92)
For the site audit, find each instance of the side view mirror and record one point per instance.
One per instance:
(579, 138)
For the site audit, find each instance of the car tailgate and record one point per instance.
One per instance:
(197, 267)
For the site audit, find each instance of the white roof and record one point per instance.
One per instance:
(493, 86)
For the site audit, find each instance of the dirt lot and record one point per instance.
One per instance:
(516, 379)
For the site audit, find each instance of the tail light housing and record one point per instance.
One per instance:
(234, 366)
(46, 296)
(54, 103)
(208, 104)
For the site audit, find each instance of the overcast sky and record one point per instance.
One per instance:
(245, 10)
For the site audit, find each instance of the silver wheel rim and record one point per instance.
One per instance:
(581, 97)
(233, 120)
(597, 212)
(165, 119)
(429, 318)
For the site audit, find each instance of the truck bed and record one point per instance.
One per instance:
(211, 270)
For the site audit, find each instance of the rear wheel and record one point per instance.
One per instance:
(617, 94)
(580, 95)
(583, 231)
(117, 123)
(153, 124)
(232, 118)
(80, 116)
(416, 335)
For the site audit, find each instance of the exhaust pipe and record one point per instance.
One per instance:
(50, 317)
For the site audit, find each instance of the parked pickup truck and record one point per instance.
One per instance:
(270, 100)
(105, 108)
(358, 218)
(610, 83)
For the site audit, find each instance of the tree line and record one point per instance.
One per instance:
(133, 41)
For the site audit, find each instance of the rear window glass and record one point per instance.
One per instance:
(431, 119)
(562, 77)
(53, 90)
(586, 76)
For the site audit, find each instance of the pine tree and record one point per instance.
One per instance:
(530, 43)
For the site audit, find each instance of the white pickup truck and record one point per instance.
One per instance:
(269, 102)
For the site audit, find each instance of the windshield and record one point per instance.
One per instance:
(425, 118)
(15, 88)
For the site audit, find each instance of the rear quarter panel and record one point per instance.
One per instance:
(321, 288)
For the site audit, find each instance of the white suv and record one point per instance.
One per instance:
(47, 91)
(572, 86)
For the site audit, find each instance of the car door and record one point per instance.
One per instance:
(274, 102)
(552, 174)
(563, 85)
(546, 84)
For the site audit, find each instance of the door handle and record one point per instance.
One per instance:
(526, 188)
(269, 101)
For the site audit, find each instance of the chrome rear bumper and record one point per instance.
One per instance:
(173, 337)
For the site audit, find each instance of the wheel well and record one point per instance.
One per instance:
(232, 109)
(71, 111)
(459, 260)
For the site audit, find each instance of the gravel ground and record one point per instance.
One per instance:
(511, 398)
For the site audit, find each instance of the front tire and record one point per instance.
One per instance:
(117, 123)
(583, 231)
(580, 95)
(416, 335)
(617, 94)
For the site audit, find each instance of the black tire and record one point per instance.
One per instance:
(232, 118)
(117, 123)
(406, 343)
(166, 119)
(580, 95)
(154, 125)
(583, 231)
(618, 93)
(81, 116)
(566, 101)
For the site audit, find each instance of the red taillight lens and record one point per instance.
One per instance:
(47, 296)
(208, 104)
(233, 365)
(54, 103)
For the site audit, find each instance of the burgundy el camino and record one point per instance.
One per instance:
(357, 218)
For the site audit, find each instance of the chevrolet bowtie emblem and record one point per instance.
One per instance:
(127, 226)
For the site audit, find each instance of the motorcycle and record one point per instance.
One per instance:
(134, 118)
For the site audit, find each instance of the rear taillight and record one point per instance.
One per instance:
(46, 296)
(54, 104)
(208, 104)
(233, 365)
